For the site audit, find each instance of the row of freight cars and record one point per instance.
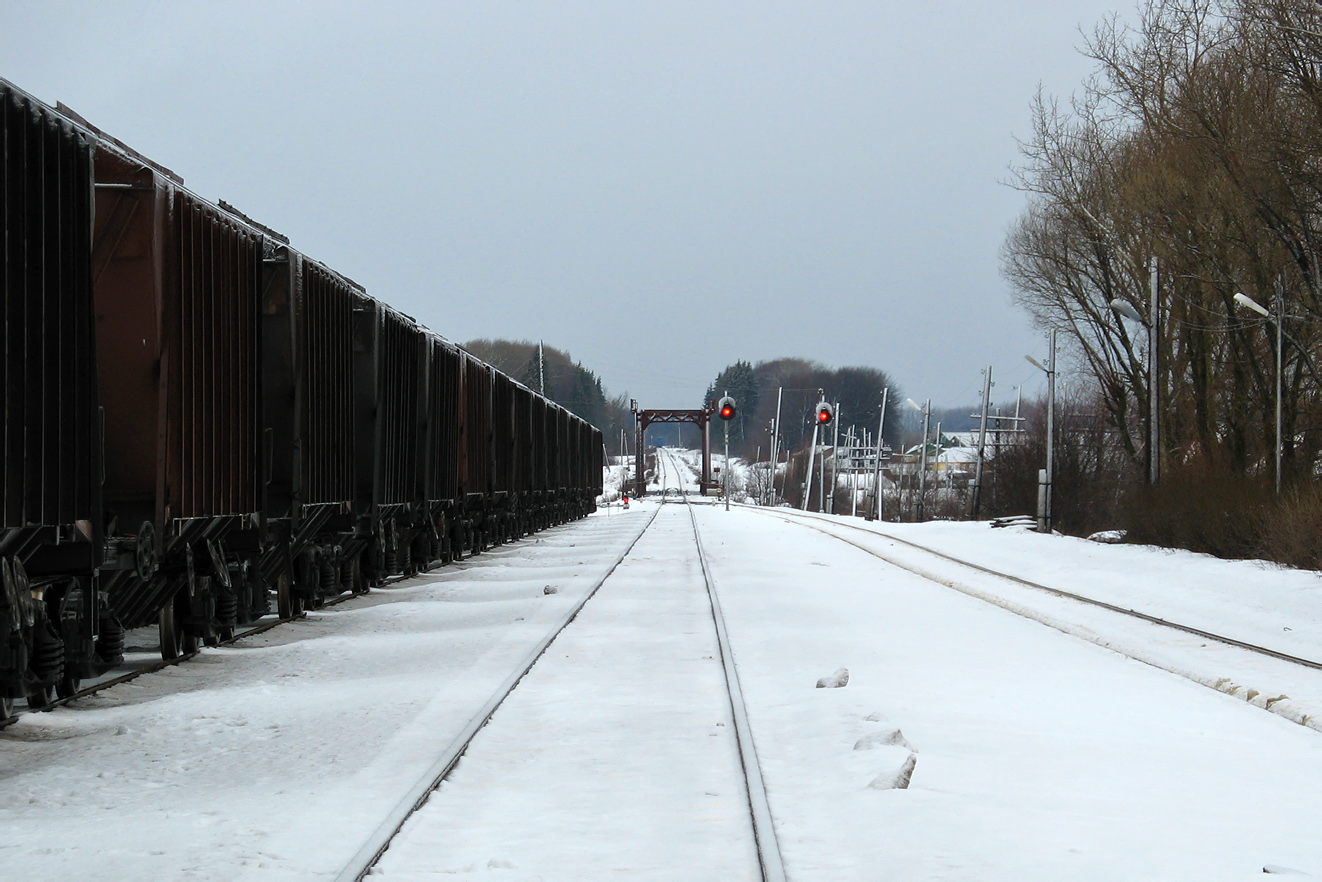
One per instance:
(198, 418)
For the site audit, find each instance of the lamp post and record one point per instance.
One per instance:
(1044, 505)
(1153, 324)
(1275, 318)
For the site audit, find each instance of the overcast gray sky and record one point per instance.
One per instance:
(660, 188)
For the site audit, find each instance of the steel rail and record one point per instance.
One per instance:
(370, 852)
(180, 659)
(764, 832)
(1188, 629)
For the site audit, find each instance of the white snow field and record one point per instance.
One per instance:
(1030, 753)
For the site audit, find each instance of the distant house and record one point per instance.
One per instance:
(951, 460)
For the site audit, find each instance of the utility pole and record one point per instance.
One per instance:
(853, 476)
(922, 468)
(1047, 475)
(1051, 427)
(835, 463)
(812, 452)
(1154, 373)
(807, 483)
(936, 468)
(775, 446)
(876, 477)
(1280, 323)
(975, 499)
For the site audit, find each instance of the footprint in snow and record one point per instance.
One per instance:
(835, 681)
(884, 738)
(898, 779)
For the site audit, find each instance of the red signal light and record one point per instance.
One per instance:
(825, 413)
(725, 408)
(727, 412)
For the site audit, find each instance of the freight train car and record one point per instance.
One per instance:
(177, 282)
(199, 419)
(51, 538)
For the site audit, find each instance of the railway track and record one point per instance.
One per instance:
(764, 833)
(770, 866)
(1058, 592)
(830, 527)
(162, 664)
(768, 848)
(380, 839)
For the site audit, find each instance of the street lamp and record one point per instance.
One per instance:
(1048, 477)
(1153, 325)
(1274, 318)
(926, 411)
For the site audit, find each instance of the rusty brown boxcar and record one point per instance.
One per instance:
(522, 454)
(474, 451)
(51, 535)
(308, 444)
(176, 283)
(504, 493)
(441, 446)
(389, 358)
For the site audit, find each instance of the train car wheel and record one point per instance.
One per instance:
(39, 696)
(290, 604)
(171, 629)
(68, 685)
(47, 662)
(356, 583)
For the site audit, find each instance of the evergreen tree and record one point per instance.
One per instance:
(740, 383)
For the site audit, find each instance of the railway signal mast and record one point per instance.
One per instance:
(725, 409)
(824, 414)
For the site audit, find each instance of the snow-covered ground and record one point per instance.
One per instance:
(1036, 754)
(1250, 601)
(277, 757)
(1039, 755)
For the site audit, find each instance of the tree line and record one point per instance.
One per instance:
(1196, 142)
(568, 383)
(755, 388)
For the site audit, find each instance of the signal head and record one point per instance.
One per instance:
(825, 413)
(725, 408)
